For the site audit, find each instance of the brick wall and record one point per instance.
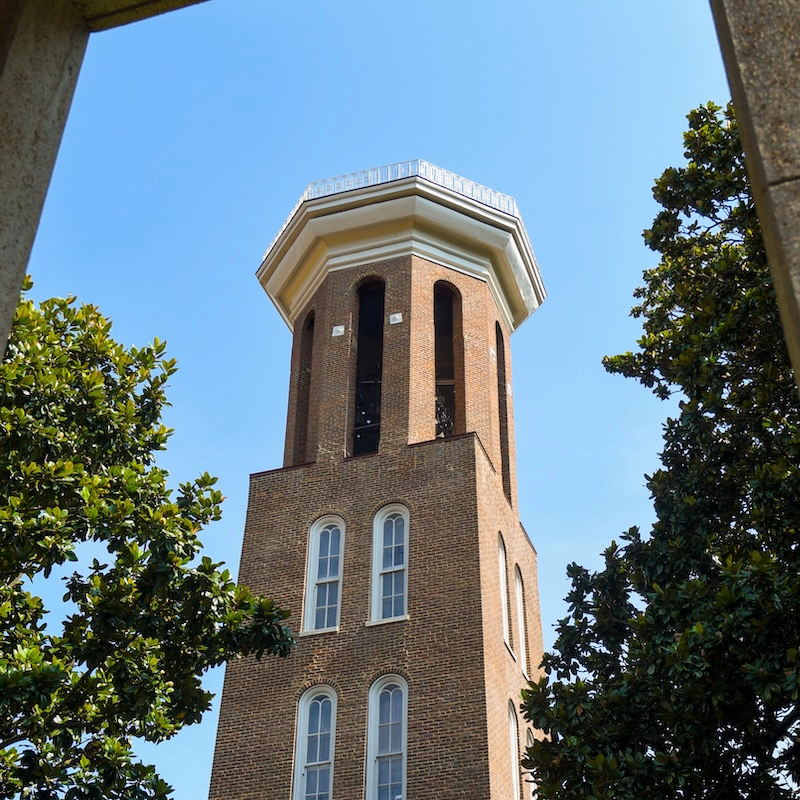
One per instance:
(461, 674)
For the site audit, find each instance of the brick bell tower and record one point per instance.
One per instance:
(391, 530)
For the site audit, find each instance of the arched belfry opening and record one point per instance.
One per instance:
(449, 360)
(502, 407)
(303, 397)
(369, 368)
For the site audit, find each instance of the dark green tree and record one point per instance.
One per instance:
(80, 422)
(675, 674)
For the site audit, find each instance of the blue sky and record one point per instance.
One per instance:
(192, 135)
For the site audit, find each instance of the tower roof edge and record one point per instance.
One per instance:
(406, 208)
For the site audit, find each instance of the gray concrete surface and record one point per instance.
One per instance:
(42, 48)
(760, 42)
(42, 43)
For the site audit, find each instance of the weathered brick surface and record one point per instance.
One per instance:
(461, 674)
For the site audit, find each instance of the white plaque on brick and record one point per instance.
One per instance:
(338, 330)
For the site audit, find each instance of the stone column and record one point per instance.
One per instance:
(760, 41)
(42, 43)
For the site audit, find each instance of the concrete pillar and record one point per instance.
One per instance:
(760, 41)
(42, 43)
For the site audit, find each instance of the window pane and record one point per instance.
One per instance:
(313, 717)
(383, 739)
(383, 771)
(324, 543)
(397, 771)
(333, 593)
(385, 705)
(312, 750)
(330, 620)
(324, 781)
(388, 556)
(396, 743)
(311, 783)
(324, 749)
(397, 704)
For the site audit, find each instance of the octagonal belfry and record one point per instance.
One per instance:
(391, 531)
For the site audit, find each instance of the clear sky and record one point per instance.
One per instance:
(192, 135)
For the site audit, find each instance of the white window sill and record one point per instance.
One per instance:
(371, 622)
(319, 630)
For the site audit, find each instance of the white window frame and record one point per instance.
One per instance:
(301, 739)
(502, 562)
(519, 588)
(378, 572)
(373, 718)
(313, 583)
(513, 749)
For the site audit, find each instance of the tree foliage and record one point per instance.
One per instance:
(675, 674)
(80, 421)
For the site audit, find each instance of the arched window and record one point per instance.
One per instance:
(502, 403)
(386, 740)
(390, 564)
(513, 747)
(316, 732)
(503, 567)
(369, 369)
(324, 575)
(521, 628)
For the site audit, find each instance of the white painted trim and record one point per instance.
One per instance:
(372, 733)
(315, 632)
(301, 736)
(372, 622)
(310, 596)
(405, 217)
(376, 601)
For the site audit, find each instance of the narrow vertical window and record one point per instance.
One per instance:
(316, 730)
(513, 747)
(503, 567)
(522, 630)
(323, 582)
(369, 369)
(502, 404)
(390, 564)
(386, 746)
(444, 353)
(303, 402)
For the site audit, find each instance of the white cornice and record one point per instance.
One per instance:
(407, 216)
